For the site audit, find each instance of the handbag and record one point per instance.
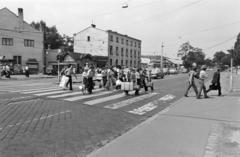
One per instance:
(63, 82)
(213, 87)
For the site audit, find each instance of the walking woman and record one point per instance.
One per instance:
(191, 81)
(69, 73)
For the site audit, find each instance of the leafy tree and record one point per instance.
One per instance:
(226, 60)
(236, 51)
(209, 62)
(51, 36)
(218, 56)
(191, 55)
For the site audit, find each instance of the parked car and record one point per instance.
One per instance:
(157, 73)
(172, 71)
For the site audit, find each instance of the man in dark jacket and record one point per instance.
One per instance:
(216, 82)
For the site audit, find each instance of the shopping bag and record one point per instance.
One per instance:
(63, 82)
(127, 86)
(118, 82)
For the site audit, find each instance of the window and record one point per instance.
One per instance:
(126, 62)
(135, 54)
(117, 51)
(117, 39)
(139, 55)
(135, 44)
(130, 63)
(139, 45)
(134, 63)
(110, 62)
(116, 62)
(7, 41)
(121, 62)
(17, 60)
(111, 38)
(88, 38)
(122, 53)
(126, 52)
(122, 41)
(111, 50)
(130, 53)
(131, 43)
(126, 42)
(28, 43)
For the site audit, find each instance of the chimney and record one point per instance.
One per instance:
(20, 18)
(93, 25)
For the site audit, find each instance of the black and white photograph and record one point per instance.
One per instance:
(119, 78)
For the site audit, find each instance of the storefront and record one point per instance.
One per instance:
(33, 65)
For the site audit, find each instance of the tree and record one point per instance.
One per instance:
(208, 62)
(191, 55)
(236, 52)
(51, 35)
(218, 56)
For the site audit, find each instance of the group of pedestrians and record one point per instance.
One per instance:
(5, 71)
(109, 78)
(201, 77)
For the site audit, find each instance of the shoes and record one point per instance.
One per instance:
(185, 95)
(206, 97)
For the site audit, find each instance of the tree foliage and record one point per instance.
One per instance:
(52, 37)
(236, 51)
(191, 55)
(218, 57)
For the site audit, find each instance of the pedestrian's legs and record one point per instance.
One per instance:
(219, 90)
(195, 89)
(204, 91)
(70, 83)
(188, 88)
(201, 84)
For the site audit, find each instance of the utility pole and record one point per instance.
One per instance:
(162, 57)
(231, 75)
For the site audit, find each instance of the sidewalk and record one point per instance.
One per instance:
(188, 128)
(23, 77)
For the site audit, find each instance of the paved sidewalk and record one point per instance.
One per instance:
(188, 128)
(23, 77)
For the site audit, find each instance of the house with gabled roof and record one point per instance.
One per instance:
(21, 45)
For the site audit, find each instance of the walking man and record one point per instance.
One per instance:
(216, 82)
(202, 77)
(69, 73)
(191, 82)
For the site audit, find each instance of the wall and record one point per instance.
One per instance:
(98, 44)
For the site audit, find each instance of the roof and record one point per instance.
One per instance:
(110, 31)
(75, 56)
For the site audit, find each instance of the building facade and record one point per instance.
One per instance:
(21, 44)
(118, 48)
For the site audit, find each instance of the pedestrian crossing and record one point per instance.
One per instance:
(114, 100)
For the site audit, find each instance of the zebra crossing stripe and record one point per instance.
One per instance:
(41, 91)
(144, 109)
(129, 101)
(167, 97)
(87, 96)
(32, 89)
(50, 93)
(105, 99)
(71, 94)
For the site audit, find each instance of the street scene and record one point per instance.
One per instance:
(119, 78)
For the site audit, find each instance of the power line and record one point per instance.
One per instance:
(221, 43)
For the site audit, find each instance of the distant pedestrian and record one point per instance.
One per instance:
(69, 73)
(216, 82)
(26, 71)
(191, 81)
(8, 72)
(202, 77)
(90, 75)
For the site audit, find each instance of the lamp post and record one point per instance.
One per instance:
(58, 59)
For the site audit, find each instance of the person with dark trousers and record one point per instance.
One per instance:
(69, 73)
(216, 82)
(90, 76)
(191, 81)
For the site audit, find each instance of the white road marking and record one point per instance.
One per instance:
(129, 101)
(33, 89)
(41, 91)
(50, 93)
(105, 99)
(71, 94)
(167, 97)
(86, 96)
(36, 119)
(144, 109)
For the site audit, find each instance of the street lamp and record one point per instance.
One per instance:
(59, 51)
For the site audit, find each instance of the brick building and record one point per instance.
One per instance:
(118, 49)
(20, 43)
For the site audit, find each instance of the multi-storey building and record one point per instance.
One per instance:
(20, 43)
(118, 48)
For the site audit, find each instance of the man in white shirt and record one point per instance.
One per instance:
(202, 76)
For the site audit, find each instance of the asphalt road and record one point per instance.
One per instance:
(39, 119)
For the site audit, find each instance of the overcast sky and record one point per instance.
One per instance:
(208, 24)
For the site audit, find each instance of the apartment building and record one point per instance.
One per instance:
(118, 49)
(21, 44)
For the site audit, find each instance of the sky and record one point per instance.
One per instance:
(212, 25)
